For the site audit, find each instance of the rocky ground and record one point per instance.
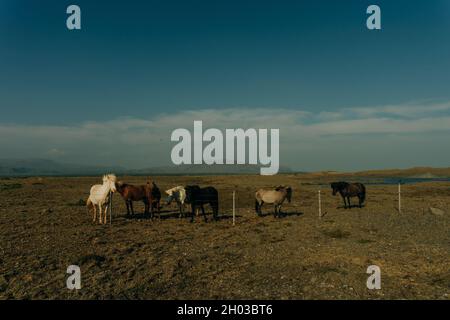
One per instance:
(44, 228)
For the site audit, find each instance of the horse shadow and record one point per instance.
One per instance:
(351, 206)
(147, 216)
(227, 216)
(283, 214)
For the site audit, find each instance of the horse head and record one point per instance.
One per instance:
(170, 195)
(338, 186)
(110, 179)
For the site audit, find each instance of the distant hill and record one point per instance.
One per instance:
(200, 169)
(416, 172)
(43, 167)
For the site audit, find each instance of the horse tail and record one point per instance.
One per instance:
(363, 193)
(257, 206)
(89, 204)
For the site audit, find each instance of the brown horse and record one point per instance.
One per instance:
(132, 193)
(347, 190)
(154, 198)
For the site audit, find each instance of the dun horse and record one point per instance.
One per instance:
(347, 190)
(100, 195)
(273, 196)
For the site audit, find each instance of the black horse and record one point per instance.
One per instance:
(348, 190)
(197, 197)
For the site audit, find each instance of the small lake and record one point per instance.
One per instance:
(396, 180)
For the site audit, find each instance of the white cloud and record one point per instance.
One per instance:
(334, 140)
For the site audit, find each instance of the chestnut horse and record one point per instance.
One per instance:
(132, 193)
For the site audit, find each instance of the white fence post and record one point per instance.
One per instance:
(234, 207)
(320, 206)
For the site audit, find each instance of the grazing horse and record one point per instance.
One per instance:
(347, 190)
(272, 196)
(179, 195)
(132, 193)
(100, 195)
(197, 197)
(154, 198)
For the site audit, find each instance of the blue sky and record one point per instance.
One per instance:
(137, 63)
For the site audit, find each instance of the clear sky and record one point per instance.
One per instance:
(112, 92)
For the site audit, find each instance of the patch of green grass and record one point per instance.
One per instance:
(10, 186)
(79, 203)
(91, 258)
(364, 241)
(327, 269)
(336, 233)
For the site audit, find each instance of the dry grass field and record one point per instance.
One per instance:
(44, 227)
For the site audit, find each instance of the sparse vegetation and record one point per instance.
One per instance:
(44, 230)
(10, 186)
(336, 233)
(79, 203)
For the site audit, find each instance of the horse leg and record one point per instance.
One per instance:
(203, 211)
(216, 211)
(345, 203)
(349, 204)
(257, 207)
(193, 212)
(159, 210)
(128, 209)
(152, 214)
(104, 216)
(145, 206)
(94, 212)
(100, 209)
(260, 208)
(131, 207)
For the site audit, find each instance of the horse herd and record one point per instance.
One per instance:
(195, 196)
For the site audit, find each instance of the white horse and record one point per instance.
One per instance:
(100, 195)
(179, 195)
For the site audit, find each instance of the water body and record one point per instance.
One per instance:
(396, 180)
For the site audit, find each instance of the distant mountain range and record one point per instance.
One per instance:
(44, 167)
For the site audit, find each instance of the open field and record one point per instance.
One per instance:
(44, 227)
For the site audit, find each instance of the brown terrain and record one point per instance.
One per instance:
(45, 228)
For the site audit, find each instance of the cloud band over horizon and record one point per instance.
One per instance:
(380, 137)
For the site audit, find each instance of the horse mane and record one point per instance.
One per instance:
(110, 176)
(339, 185)
(282, 187)
(174, 189)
